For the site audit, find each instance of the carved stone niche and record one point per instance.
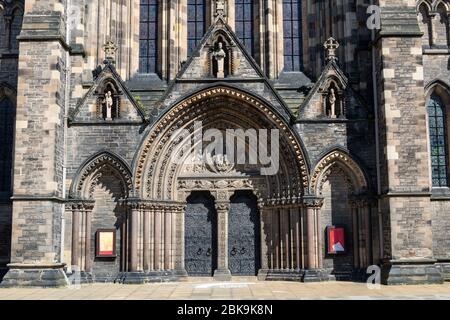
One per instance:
(333, 99)
(108, 100)
(221, 56)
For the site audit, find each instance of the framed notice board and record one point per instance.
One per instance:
(105, 243)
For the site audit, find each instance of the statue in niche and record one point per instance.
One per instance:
(219, 57)
(332, 103)
(108, 103)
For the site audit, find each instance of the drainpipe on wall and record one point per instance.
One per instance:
(377, 140)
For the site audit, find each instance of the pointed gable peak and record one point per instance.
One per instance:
(107, 81)
(237, 62)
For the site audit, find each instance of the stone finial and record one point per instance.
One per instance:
(220, 8)
(110, 49)
(331, 45)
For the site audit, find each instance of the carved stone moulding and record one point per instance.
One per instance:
(92, 172)
(182, 112)
(348, 166)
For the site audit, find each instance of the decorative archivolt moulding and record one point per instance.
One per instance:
(332, 158)
(171, 118)
(97, 164)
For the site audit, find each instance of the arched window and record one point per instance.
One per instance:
(196, 23)
(148, 36)
(438, 141)
(244, 23)
(441, 26)
(425, 25)
(6, 144)
(292, 35)
(16, 27)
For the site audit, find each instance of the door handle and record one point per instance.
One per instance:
(208, 253)
(199, 252)
(233, 251)
(243, 251)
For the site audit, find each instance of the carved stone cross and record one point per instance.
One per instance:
(220, 8)
(331, 45)
(110, 49)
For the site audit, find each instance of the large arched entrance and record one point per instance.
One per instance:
(250, 197)
(219, 216)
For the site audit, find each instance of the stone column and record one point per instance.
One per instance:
(88, 237)
(355, 233)
(157, 246)
(285, 212)
(222, 273)
(151, 230)
(265, 240)
(134, 220)
(368, 231)
(124, 252)
(361, 233)
(75, 259)
(174, 237)
(303, 236)
(181, 211)
(265, 236)
(319, 234)
(135, 274)
(294, 236)
(281, 231)
(167, 236)
(146, 245)
(313, 206)
(276, 237)
(310, 222)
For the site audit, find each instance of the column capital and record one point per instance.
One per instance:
(80, 205)
(313, 202)
(222, 206)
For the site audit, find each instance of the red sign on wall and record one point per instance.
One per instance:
(336, 240)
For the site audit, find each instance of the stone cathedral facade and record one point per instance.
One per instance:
(97, 96)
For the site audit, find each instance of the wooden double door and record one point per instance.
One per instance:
(201, 236)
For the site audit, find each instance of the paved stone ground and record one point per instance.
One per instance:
(245, 288)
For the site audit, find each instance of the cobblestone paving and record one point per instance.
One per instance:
(237, 289)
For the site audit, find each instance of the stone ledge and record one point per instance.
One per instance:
(444, 268)
(281, 275)
(316, 275)
(35, 275)
(411, 272)
(399, 22)
(141, 277)
(44, 26)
